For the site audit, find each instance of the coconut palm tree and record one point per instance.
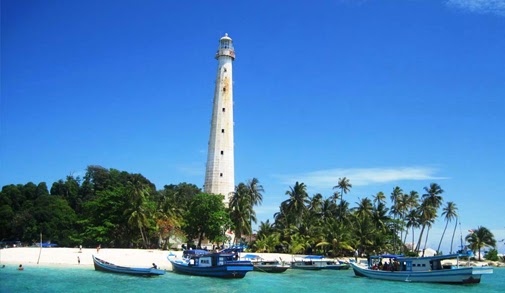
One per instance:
(480, 238)
(138, 212)
(379, 198)
(450, 212)
(254, 192)
(454, 231)
(412, 222)
(240, 210)
(433, 195)
(344, 185)
(396, 208)
(427, 213)
(295, 206)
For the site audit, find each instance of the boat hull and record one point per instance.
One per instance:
(104, 266)
(270, 268)
(228, 271)
(466, 275)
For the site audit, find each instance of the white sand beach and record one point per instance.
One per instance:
(53, 256)
(29, 256)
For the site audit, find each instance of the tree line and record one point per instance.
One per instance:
(119, 209)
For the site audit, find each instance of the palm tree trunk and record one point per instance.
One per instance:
(454, 233)
(405, 239)
(418, 246)
(143, 237)
(426, 240)
(443, 233)
(412, 248)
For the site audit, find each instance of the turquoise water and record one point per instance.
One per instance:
(86, 279)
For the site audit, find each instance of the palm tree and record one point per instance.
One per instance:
(396, 209)
(480, 238)
(433, 200)
(433, 195)
(412, 222)
(138, 213)
(364, 208)
(427, 213)
(255, 198)
(240, 210)
(344, 185)
(296, 204)
(450, 212)
(454, 231)
(379, 198)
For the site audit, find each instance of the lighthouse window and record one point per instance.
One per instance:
(224, 69)
(224, 89)
(223, 109)
(222, 130)
(222, 152)
(220, 174)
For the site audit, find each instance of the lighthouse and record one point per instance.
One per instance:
(220, 170)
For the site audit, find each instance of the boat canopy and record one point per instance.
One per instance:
(251, 256)
(195, 252)
(314, 257)
(393, 256)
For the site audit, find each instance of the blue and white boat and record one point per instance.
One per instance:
(266, 266)
(220, 265)
(420, 269)
(104, 266)
(317, 262)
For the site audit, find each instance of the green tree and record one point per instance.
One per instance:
(206, 217)
(296, 205)
(449, 213)
(344, 185)
(480, 238)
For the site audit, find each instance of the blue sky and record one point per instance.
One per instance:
(386, 93)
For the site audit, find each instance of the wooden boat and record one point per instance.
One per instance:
(220, 265)
(266, 266)
(317, 262)
(420, 269)
(104, 266)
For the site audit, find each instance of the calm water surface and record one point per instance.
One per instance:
(86, 279)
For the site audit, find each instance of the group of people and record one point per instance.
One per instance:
(387, 266)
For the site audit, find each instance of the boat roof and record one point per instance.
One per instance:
(251, 256)
(401, 257)
(195, 252)
(314, 257)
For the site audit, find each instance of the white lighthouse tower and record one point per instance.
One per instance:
(220, 171)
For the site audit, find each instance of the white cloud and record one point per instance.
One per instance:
(479, 6)
(360, 176)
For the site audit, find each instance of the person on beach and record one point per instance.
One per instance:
(78, 260)
(155, 266)
(98, 248)
(20, 268)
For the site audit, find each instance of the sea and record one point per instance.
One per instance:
(86, 279)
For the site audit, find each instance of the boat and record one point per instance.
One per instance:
(317, 262)
(266, 266)
(331, 264)
(420, 269)
(201, 263)
(105, 266)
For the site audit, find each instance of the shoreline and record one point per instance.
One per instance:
(68, 257)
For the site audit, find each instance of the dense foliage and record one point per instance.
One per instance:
(119, 209)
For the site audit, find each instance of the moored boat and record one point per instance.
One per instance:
(266, 266)
(317, 262)
(105, 266)
(420, 269)
(220, 265)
